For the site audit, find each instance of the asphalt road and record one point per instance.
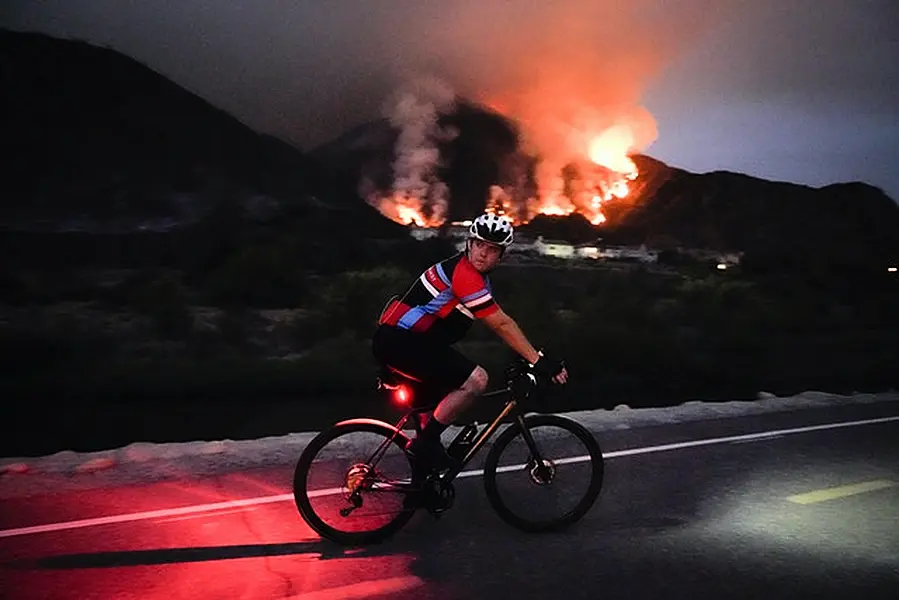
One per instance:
(687, 510)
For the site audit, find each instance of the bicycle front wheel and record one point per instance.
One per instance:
(350, 492)
(547, 479)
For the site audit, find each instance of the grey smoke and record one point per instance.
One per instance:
(309, 70)
(415, 110)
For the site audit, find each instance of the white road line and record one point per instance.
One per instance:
(214, 513)
(143, 516)
(706, 442)
(199, 508)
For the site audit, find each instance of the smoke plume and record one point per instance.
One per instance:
(414, 110)
(567, 72)
(311, 70)
(561, 69)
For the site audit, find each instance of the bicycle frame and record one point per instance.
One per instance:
(510, 407)
(485, 434)
(432, 490)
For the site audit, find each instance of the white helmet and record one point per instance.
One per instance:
(492, 228)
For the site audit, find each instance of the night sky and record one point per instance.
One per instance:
(794, 90)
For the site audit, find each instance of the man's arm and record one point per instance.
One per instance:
(507, 329)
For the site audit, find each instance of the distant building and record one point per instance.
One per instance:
(587, 251)
(523, 245)
(457, 231)
(453, 230)
(716, 256)
(641, 253)
(557, 248)
(422, 233)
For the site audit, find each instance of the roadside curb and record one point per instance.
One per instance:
(148, 462)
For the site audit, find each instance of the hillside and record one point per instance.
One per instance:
(159, 256)
(849, 223)
(137, 170)
(100, 138)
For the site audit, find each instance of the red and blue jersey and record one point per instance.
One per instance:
(444, 301)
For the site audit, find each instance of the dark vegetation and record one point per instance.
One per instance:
(256, 296)
(144, 347)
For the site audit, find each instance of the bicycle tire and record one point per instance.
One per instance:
(580, 509)
(304, 506)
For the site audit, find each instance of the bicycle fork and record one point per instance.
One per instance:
(540, 469)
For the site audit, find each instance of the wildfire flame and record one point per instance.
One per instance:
(600, 170)
(610, 148)
(405, 209)
(603, 173)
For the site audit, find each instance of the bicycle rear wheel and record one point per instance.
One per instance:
(549, 491)
(337, 463)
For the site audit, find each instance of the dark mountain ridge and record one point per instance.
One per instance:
(110, 163)
(101, 144)
(97, 138)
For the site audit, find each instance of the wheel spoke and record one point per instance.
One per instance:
(551, 492)
(326, 475)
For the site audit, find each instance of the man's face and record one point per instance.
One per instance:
(483, 255)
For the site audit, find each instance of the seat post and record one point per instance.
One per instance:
(388, 378)
(418, 417)
(421, 419)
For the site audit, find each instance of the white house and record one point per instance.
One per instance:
(422, 233)
(557, 248)
(641, 253)
(458, 232)
(587, 251)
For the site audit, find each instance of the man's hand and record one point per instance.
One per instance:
(551, 369)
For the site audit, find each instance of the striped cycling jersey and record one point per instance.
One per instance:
(444, 301)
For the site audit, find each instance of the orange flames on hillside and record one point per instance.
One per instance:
(602, 172)
(598, 168)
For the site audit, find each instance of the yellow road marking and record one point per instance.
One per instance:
(841, 492)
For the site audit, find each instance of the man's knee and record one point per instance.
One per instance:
(477, 381)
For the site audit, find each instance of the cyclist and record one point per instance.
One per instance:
(415, 333)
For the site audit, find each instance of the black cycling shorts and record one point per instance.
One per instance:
(440, 367)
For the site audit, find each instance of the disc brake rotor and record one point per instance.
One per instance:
(543, 472)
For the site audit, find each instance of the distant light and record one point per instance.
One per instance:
(722, 266)
(891, 269)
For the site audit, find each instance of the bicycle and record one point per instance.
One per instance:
(396, 499)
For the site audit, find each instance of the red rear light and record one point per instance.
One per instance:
(402, 395)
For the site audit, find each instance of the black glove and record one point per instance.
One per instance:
(548, 367)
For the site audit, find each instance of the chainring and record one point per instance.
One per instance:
(438, 496)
